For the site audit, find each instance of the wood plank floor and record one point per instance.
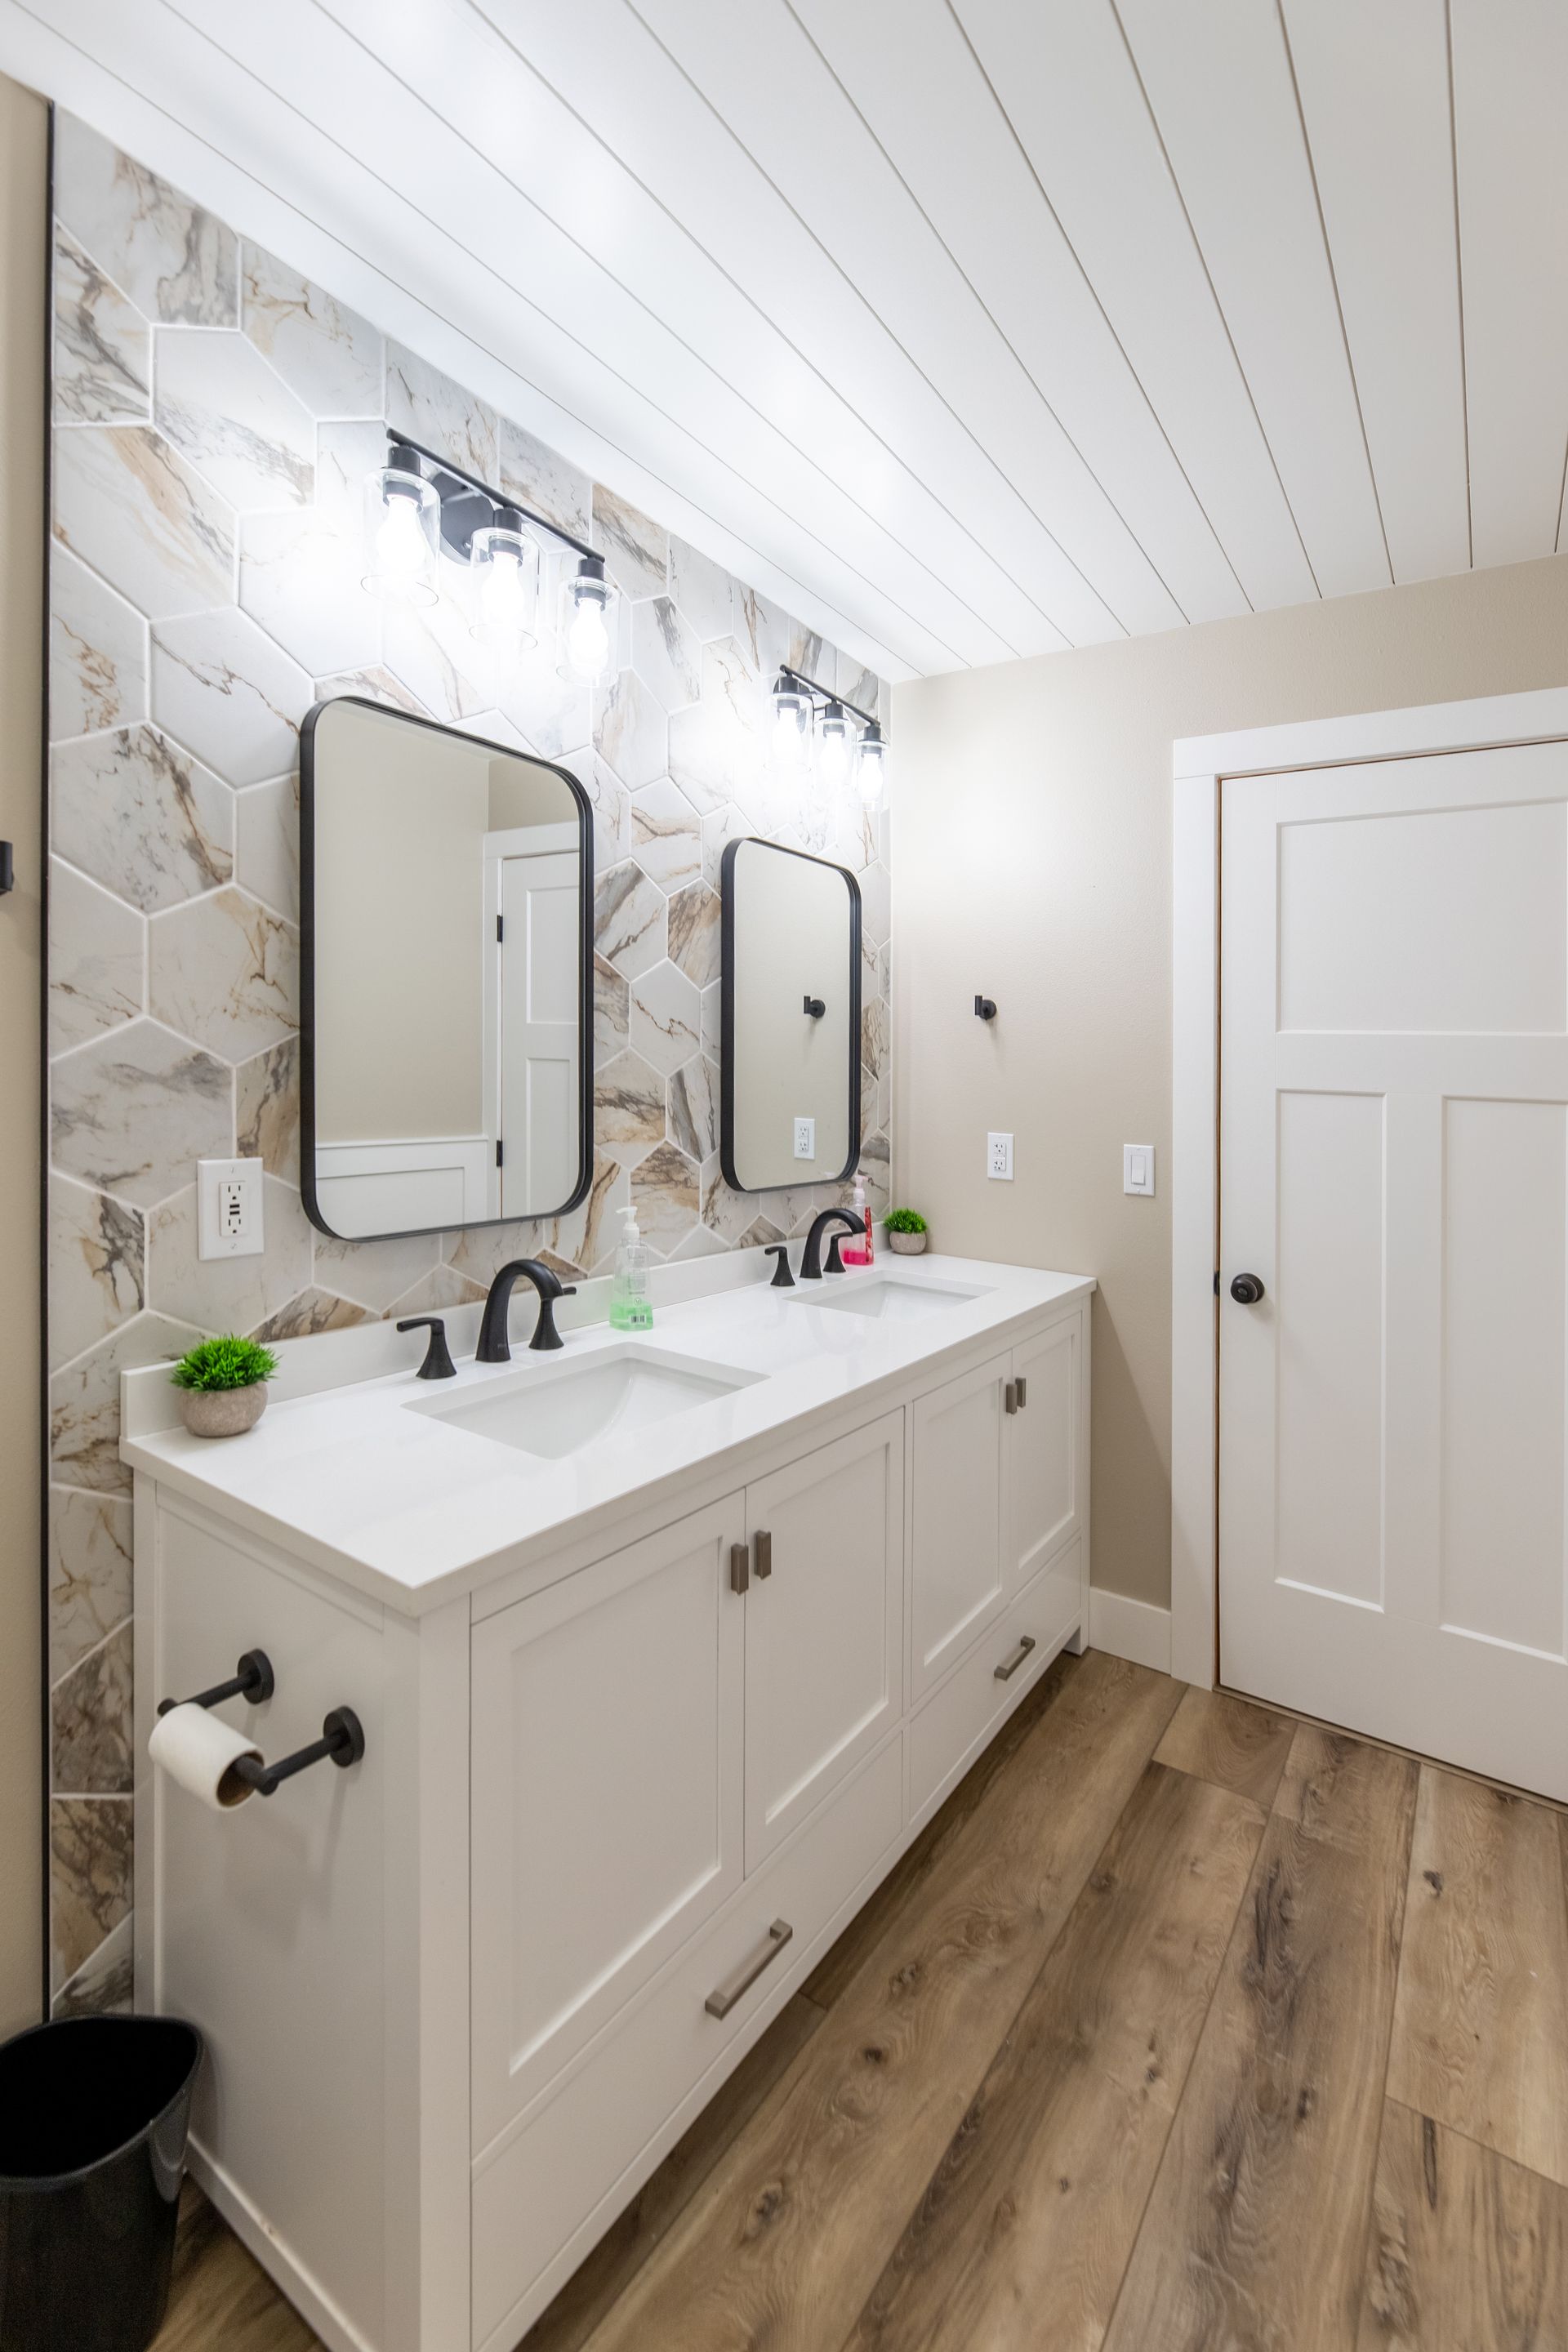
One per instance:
(1184, 2025)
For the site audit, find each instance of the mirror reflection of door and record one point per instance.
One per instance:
(447, 887)
(790, 1108)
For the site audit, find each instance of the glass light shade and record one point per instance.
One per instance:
(871, 768)
(503, 567)
(587, 607)
(789, 731)
(402, 519)
(834, 746)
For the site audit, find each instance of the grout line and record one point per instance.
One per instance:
(1460, 286)
(1214, 290)
(101, 1643)
(1333, 280)
(469, 336)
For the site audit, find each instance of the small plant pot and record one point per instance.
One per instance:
(223, 1412)
(907, 1244)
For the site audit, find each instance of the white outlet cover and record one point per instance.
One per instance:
(805, 1139)
(999, 1158)
(229, 1197)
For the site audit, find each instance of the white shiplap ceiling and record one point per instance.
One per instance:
(967, 328)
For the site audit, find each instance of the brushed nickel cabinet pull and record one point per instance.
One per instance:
(739, 1567)
(1009, 1666)
(1010, 1396)
(764, 1544)
(722, 1998)
(1022, 1385)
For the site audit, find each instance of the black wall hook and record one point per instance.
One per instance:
(985, 1006)
(253, 1680)
(815, 1008)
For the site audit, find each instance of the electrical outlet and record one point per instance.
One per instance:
(999, 1158)
(805, 1139)
(1138, 1169)
(229, 1208)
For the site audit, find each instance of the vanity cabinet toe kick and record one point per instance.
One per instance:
(461, 1998)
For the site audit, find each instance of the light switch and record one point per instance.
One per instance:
(1138, 1168)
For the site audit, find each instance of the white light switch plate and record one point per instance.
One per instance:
(229, 1208)
(999, 1158)
(1138, 1169)
(805, 1139)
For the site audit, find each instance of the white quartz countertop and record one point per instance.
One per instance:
(413, 1511)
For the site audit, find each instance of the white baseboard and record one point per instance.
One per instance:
(1130, 1629)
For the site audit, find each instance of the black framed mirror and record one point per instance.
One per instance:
(447, 911)
(790, 1087)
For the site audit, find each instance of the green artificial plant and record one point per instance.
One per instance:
(226, 1363)
(906, 1221)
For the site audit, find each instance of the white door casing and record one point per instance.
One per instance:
(1395, 1058)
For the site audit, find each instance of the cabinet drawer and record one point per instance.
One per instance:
(597, 2120)
(955, 1722)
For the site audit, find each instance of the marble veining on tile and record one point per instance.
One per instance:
(197, 591)
(177, 262)
(103, 346)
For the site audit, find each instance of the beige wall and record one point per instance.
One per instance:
(1032, 864)
(23, 171)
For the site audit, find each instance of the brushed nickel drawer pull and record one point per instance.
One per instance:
(739, 1567)
(1022, 1385)
(1009, 1666)
(765, 1543)
(721, 2000)
(1010, 1396)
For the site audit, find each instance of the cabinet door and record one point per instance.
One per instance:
(607, 1809)
(1043, 1444)
(825, 1640)
(957, 1546)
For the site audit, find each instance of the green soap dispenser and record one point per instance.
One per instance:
(630, 1310)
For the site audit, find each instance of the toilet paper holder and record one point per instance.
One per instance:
(341, 1740)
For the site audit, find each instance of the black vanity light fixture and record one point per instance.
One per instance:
(420, 503)
(813, 726)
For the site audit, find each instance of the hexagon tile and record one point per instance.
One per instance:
(216, 415)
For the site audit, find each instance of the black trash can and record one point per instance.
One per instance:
(93, 2117)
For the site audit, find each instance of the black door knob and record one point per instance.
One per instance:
(1246, 1289)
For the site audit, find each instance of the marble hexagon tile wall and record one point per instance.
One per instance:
(215, 416)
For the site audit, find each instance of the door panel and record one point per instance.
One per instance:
(540, 990)
(1393, 1147)
(1044, 1509)
(824, 1625)
(958, 1535)
(608, 1808)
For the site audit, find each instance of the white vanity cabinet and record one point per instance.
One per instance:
(621, 1792)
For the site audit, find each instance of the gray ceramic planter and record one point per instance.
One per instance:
(223, 1412)
(907, 1244)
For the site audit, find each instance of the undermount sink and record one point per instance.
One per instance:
(884, 1297)
(554, 1409)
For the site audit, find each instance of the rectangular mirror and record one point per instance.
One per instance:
(790, 1093)
(446, 977)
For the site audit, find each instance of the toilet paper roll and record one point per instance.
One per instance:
(200, 1751)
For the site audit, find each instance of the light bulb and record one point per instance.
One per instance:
(588, 641)
(503, 601)
(401, 547)
(834, 746)
(871, 768)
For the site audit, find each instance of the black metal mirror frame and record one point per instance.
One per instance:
(727, 1014)
(307, 966)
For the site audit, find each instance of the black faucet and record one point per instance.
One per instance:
(494, 1348)
(811, 1263)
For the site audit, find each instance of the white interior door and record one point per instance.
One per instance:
(1394, 1168)
(540, 997)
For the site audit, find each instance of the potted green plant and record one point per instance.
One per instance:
(905, 1232)
(223, 1385)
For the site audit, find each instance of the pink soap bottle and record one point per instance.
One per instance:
(858, 1253)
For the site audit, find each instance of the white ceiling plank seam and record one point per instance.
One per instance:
(911, 75)
(840, 539)
(949, 556)
(932, 459)
(77, 73)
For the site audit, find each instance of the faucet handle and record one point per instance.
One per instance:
(437, 1364)
(835, 1262)
(782, 1279)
